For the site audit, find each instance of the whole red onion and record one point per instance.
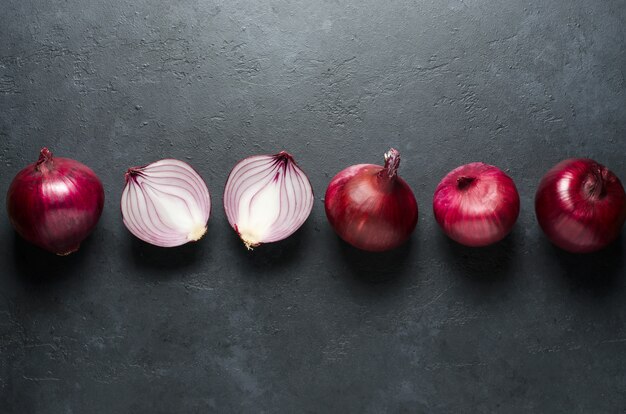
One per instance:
(55, 203)
(370, 206)
(476, 204)
(580, 205)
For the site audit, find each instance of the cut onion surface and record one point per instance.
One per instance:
(166, 203)
(267, 198)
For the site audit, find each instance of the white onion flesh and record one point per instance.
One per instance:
(267, 198)
(166, 203)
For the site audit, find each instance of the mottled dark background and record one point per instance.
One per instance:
(309, 324)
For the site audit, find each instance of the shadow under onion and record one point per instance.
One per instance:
(36, 266)
(376, 267)
(163, 260)
(597, 272)
(489, 264)
(269, 257)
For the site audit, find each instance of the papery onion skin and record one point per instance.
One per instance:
(249, 180)
(580, 205)
(147, 190)
(55, 203)
(476, 204)
(370, 207)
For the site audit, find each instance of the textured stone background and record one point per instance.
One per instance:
(309, 324)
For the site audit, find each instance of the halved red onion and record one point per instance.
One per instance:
(166, 203)
(267, 198)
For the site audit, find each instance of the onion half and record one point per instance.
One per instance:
(166, 203)
(267, 198)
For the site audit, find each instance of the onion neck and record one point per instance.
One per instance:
(132, 173)
(392, 162)
(283, 158)
(594, 185)
(44, 163)
(464, 182)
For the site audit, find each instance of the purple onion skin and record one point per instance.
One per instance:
(55, 203)
(580, 205)
(476, 204)
(370, 207)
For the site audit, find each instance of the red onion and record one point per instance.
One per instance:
(267, 198)
(580, 205)
(55, 203)
(166, 203)
(476, 204)
(370, 206)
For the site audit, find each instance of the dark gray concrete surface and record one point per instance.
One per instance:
(309, 324)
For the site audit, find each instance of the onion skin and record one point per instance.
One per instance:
(476, 204)
(580, 205)
(370, 206)
(55, 203)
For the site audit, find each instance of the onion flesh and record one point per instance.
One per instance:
(267, 198)
(55, 203)
(166, 203)
(580, 205)
(370, 207)
(476, 204)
